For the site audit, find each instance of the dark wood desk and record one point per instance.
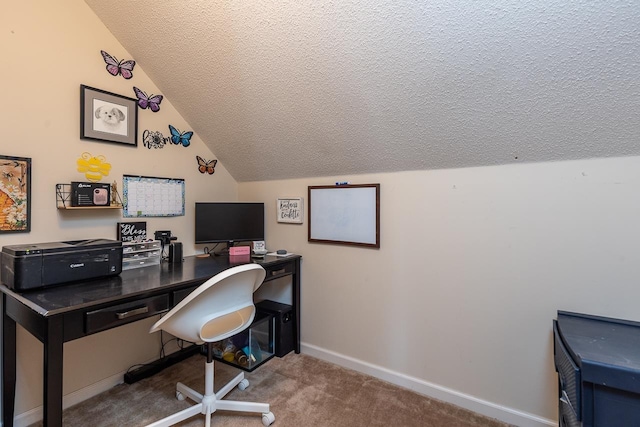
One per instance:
(64, 313)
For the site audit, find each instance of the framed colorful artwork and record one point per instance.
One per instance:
(15, 194)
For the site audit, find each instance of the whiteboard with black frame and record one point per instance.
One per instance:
(345, 214)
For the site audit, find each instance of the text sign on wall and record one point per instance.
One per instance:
(290, 210)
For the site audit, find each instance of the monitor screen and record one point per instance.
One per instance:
(229, 222)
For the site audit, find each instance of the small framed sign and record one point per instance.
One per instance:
(132, 231)
(290, 210)
(259, 247)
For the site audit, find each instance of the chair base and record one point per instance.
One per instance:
(210, 402)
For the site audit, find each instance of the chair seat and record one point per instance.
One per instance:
(233, 322)
(218, 309)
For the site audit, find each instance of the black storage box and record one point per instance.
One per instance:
(283, 318)
(90, 194)
(38, 265)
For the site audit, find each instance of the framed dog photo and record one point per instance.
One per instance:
(108, 117)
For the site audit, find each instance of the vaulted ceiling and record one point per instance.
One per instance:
(307, 88)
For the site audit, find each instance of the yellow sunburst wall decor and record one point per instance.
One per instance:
(93, 167)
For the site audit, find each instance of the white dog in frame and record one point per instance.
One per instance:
(109, 118)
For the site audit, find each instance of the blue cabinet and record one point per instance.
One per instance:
(598, 365)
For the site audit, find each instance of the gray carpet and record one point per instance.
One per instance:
(302, 391)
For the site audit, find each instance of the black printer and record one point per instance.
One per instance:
(33, 266)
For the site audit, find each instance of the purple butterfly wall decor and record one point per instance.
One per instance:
(115, 67)
(152, 102)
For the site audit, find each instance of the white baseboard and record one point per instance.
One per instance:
(492, 410)
(34, 415)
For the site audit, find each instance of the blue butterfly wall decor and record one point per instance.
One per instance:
(177, 137)
(152, 102)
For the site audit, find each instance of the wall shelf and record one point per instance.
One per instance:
(63, 200)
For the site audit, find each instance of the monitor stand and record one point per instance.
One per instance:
(223, 252)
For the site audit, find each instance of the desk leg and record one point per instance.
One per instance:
(52, 392)
(296, 305)
(8, 366)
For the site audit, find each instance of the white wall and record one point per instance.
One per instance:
(459, 298)
(458, 301)
(49, 50)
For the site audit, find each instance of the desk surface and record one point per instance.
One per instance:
(59, 299)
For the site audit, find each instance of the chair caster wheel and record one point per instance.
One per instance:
(180, 396)
(242, 385)
(268, 419)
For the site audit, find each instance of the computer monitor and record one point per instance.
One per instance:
(229, 222)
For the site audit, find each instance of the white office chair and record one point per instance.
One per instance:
(219, 308)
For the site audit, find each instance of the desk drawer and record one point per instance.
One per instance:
(279, 271)
(141, 259)
(111, 317)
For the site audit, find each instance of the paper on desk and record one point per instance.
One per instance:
(277, 254)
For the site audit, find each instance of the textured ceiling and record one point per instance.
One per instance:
(301, 88)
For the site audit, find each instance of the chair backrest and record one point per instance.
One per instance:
(219, 308)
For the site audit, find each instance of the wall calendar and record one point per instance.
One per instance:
(145, 196)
